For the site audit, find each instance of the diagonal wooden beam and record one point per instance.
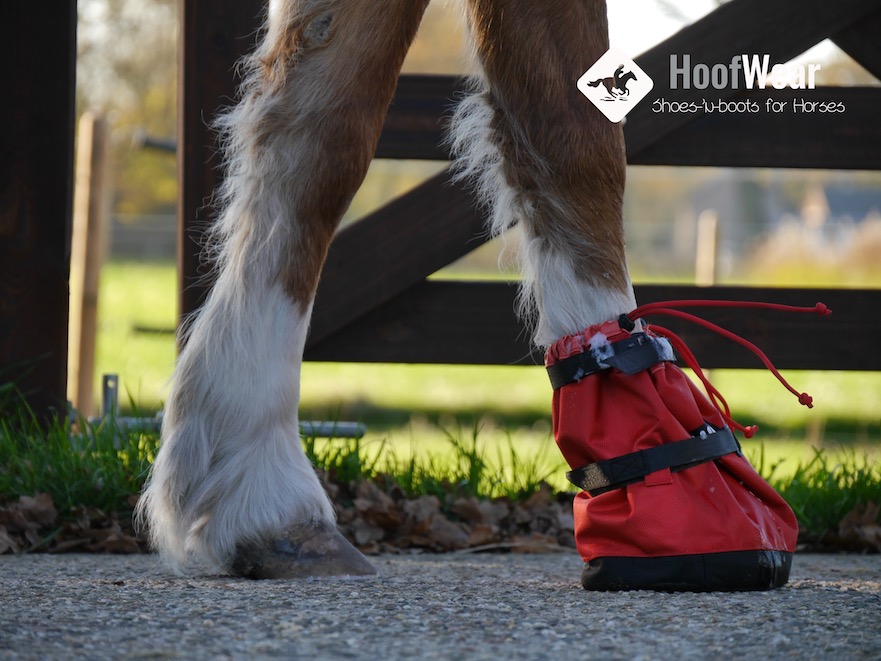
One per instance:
(392, 249)
(344, 293)
(848, 138)
(783, 29)
(862, 41)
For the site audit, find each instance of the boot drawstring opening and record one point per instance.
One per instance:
(669, 308)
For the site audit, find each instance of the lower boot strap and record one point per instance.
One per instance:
(616, 473)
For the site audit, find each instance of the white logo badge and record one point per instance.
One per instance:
(615, 84)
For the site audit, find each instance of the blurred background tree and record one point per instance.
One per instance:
(127, 69)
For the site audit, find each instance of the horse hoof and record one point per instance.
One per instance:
(302, 550)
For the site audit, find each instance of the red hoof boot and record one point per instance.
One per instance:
(303, 550)
(669, 502)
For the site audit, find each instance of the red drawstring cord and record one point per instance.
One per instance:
(715, 396)
(819, 308)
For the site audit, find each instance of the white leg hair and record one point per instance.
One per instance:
(231, 466)
(553, 299)
(565, 305)
(542, 158)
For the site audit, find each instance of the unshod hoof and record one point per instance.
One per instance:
(302, 550)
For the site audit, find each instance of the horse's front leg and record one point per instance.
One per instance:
(231, 486)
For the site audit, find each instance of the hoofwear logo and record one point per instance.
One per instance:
(615, 84)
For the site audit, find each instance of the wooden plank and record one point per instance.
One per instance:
(435, 322)
(783, 29)
(409, 239)
(474, 323)
(862, 41)
(850, 139)
(38, 50)
(91, 216)
(418, 116)
(215, 35)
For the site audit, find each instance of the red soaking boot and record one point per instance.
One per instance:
(669, 502)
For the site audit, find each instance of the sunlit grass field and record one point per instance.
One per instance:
(414, 409)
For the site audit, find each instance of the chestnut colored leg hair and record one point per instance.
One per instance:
(544, 158)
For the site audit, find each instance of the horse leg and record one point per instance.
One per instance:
(231, 485)
(543, 157)
(546, 159)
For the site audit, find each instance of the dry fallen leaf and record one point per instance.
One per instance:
(7, 542)
(377, 507)
(446, 535)
(862, 526)
(366, 533)
(534, 543)
(39, 508)
(483, 534)
(468, 509)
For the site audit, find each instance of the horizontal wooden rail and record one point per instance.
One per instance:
(763, 128)
(474, 323)
(828, 127)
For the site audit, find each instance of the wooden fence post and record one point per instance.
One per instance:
(38, 51)
(88, 247)
(706, 255)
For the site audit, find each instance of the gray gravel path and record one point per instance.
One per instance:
(426, 607)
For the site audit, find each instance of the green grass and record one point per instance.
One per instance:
(137, 301)
(463, 463)
(823, 490)
(474, 460)
(136, 297)
(104, 468)
(99, 467)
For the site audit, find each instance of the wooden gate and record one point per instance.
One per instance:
(377, 305)
(388, 311)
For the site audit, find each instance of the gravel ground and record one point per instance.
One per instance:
(456, 606)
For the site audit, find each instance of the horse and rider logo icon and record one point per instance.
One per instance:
(615, 84)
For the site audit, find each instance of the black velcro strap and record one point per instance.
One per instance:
(630, 355)
(610, 474)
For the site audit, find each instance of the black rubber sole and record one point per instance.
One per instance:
(733, 571)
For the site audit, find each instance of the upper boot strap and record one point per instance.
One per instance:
(707, 444)
(631, 355)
